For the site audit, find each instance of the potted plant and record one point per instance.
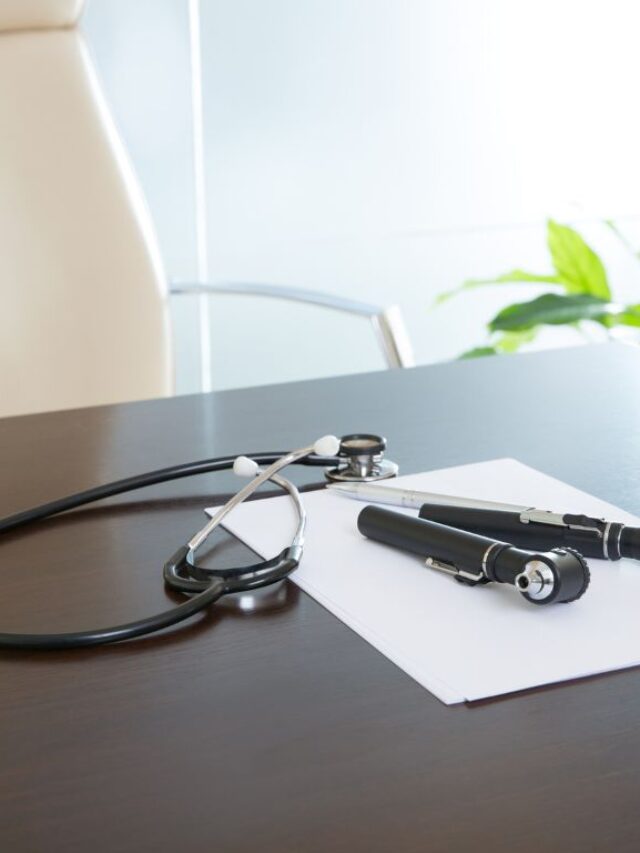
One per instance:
(578, 291)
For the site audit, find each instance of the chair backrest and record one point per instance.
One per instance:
(83, 307)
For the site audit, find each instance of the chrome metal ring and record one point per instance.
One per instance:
(605, 540)
(540, 581)
(485, 556)
(618, 544)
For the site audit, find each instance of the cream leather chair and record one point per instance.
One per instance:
(82, 294)
(83, 298)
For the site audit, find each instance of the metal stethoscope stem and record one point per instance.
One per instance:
(247, 467)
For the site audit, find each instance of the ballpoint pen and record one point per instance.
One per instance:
(534, 528)
(558, 575)
(401, 497)
(518, 524)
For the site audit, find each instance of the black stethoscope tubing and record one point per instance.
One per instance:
(140, 481)
(213, 585)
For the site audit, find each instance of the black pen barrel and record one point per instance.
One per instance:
(630, 542)
(508, 527)
(426, 538)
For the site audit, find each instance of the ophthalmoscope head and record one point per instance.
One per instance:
(558, 575)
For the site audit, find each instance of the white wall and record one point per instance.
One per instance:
(382, 149)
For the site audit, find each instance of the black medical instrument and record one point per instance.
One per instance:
(354, 456)
(535, 528)
(558, 575)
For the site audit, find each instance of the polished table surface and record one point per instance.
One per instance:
(283, 730)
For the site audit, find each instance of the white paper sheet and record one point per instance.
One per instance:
(461, 643)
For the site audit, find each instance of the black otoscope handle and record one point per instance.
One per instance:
(593, 537)
(630, 542)
(558, 575)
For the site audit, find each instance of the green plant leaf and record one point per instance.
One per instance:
(512, 341)
(549, 309)
(627, 315)
(577, 265)
(479, 352)
(512, 277)
(507, 342)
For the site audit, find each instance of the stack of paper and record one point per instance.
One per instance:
(461, 643)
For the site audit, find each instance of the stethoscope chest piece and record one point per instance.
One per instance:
(364, 460)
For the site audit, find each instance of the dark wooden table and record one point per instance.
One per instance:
(284, 731)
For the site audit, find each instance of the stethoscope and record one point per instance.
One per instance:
(354, 458)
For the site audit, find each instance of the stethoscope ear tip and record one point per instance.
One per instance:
(245, 467)
(328, 445)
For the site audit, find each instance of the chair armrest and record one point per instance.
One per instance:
(277, 291)
(388, 323)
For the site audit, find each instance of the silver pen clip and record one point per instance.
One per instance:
(543, 516)
(452, 569)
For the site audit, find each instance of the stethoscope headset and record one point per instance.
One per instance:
(355, 458)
